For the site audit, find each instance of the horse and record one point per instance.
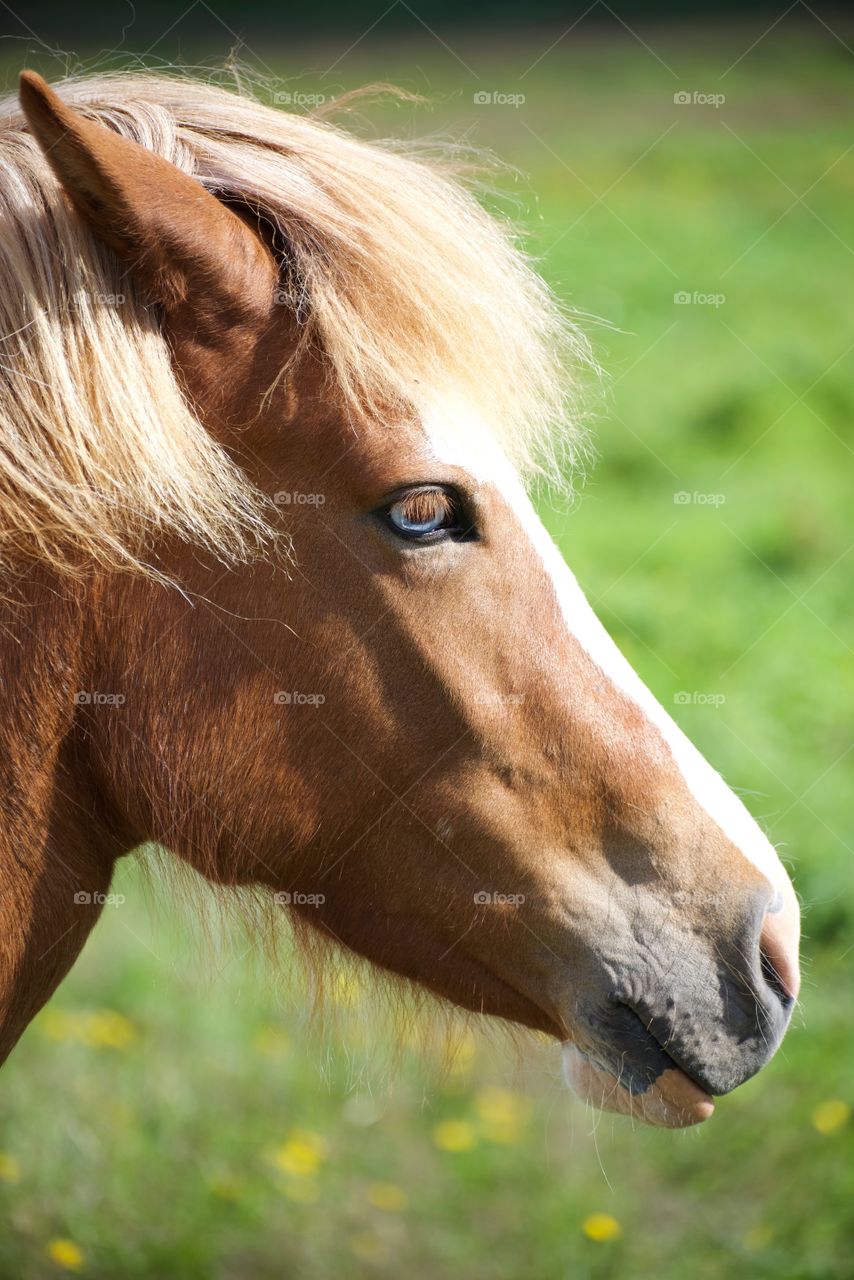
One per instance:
(276, 597)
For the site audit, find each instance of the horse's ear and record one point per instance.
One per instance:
(187, 249)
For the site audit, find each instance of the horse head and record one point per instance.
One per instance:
(407, 720)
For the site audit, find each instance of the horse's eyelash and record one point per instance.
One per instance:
(426, 504)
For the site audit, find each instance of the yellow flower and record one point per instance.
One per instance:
(100, 1028)
(601, 1227)
(272, 1042)
(302, 1154)
(10, 1170)
(387, 1196)
(454, 1135)
(502, 1113)
(66, 1254)
(105, 1029)
(831, 1115)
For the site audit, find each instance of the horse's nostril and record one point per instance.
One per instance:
(774, 980)
(778, 952)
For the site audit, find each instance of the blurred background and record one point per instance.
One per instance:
(688, 187)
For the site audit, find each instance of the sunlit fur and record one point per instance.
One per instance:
(408, 285)
(428, 755)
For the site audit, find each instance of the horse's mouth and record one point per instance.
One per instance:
(628, 1070)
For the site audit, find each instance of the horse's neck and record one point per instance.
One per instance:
(52, 873)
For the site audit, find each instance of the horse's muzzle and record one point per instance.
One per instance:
(660, 1044)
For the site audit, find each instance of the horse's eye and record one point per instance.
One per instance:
(427, 514)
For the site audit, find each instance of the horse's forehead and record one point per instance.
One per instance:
(456, 436)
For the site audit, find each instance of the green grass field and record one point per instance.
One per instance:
(175, 1113)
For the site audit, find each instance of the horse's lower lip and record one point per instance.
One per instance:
(672, 1101)
(627, 1069)
(688, 1101)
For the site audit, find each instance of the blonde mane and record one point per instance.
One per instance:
(404, 279)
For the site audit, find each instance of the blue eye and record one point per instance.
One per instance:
(425, 514)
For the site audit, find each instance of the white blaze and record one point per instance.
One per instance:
(485, 462)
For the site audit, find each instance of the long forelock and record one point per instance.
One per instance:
(404, 280)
